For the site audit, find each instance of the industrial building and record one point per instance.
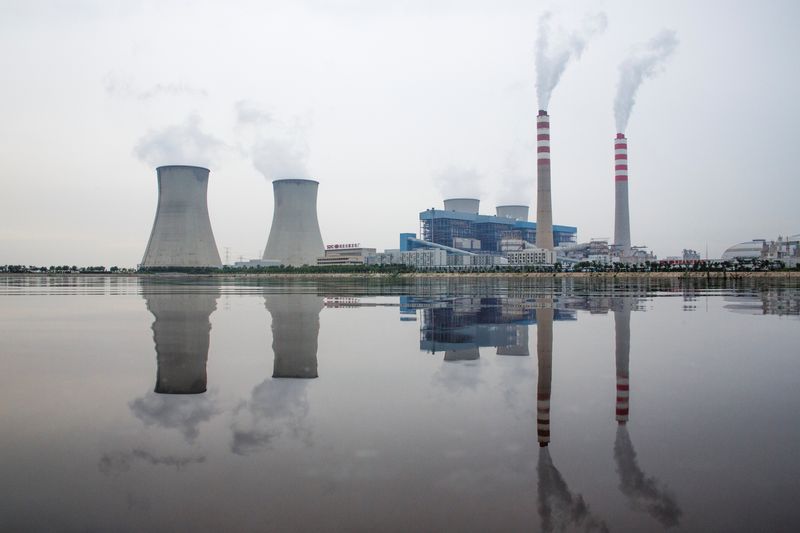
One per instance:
(345, 254)
(294, 237)
(182, 235)
(786, 249)
(459, 225)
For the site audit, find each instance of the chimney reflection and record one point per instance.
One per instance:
(295, 328)
(645, 492)
(544, 352)
(181, 332)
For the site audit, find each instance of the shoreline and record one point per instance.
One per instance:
(789, 274)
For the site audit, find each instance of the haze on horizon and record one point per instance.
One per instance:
(391, 107)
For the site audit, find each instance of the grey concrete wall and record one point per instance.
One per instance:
(182, 235)
(462, 205)
(294, 237)
(622, 224)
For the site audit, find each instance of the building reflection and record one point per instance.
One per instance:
(544, 353)
(460, 326)
(644, 492)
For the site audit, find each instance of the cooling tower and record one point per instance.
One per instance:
(517, 212)
(182, 235)
(294, 238)
(544, 352)
(544, 207)
(622, 337)
(295, 328)
(462, 205)
(181, 332)
(622, 223)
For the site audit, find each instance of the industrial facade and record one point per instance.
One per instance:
(452, 228)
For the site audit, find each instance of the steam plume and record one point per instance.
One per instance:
(552, 60)
(180, 144)
(644, 62)
(278, 150)
(459, 182)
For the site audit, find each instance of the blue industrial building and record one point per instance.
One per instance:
(482, 233)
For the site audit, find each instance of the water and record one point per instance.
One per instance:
(435, 405)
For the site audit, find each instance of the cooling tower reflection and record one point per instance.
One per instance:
(279, 407)
(181, 332)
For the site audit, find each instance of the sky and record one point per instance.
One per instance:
(391, 106)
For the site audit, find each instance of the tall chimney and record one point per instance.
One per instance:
(622, 224)
(544, 207)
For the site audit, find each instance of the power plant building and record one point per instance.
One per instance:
(182, 235)
(482, 234)
(294, 237)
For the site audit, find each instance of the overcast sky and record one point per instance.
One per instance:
(391, 106)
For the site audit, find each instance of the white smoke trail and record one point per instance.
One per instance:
(459, 182)
(644, 62)
(551, 60)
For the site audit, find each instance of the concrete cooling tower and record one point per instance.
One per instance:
(462, 205)
(181, 332)
(544, 206)
(516, 212)
(622, 223)
(294, 238)
(295, 328)
(182, 235)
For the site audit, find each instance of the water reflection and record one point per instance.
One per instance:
(279, 407)
(181, 332)
(644, 492)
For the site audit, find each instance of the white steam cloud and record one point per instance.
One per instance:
(644, 62)
(277, 150)
(180, 144)
(458, 182)
(552, 59)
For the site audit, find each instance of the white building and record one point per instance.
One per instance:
(531, 256)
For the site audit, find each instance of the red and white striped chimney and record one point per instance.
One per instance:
(622, 338)
(622, 224)
(544, 207)
(544, 352)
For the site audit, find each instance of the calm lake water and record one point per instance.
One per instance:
(437, 405)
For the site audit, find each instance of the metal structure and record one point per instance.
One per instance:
(544, 206)
(182, 235)
(295, 328)
(516, 212)
(622, 224)
(181, 332)
(462, 205)
(294, 237)
(448, 227)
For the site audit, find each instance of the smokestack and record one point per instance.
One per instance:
(294, 238)
(462, 205)
(544, 352)
(516, 212)
(181, 235)
(544, 207)
(622, 224)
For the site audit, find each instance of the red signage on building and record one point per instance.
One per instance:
(343, 246)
